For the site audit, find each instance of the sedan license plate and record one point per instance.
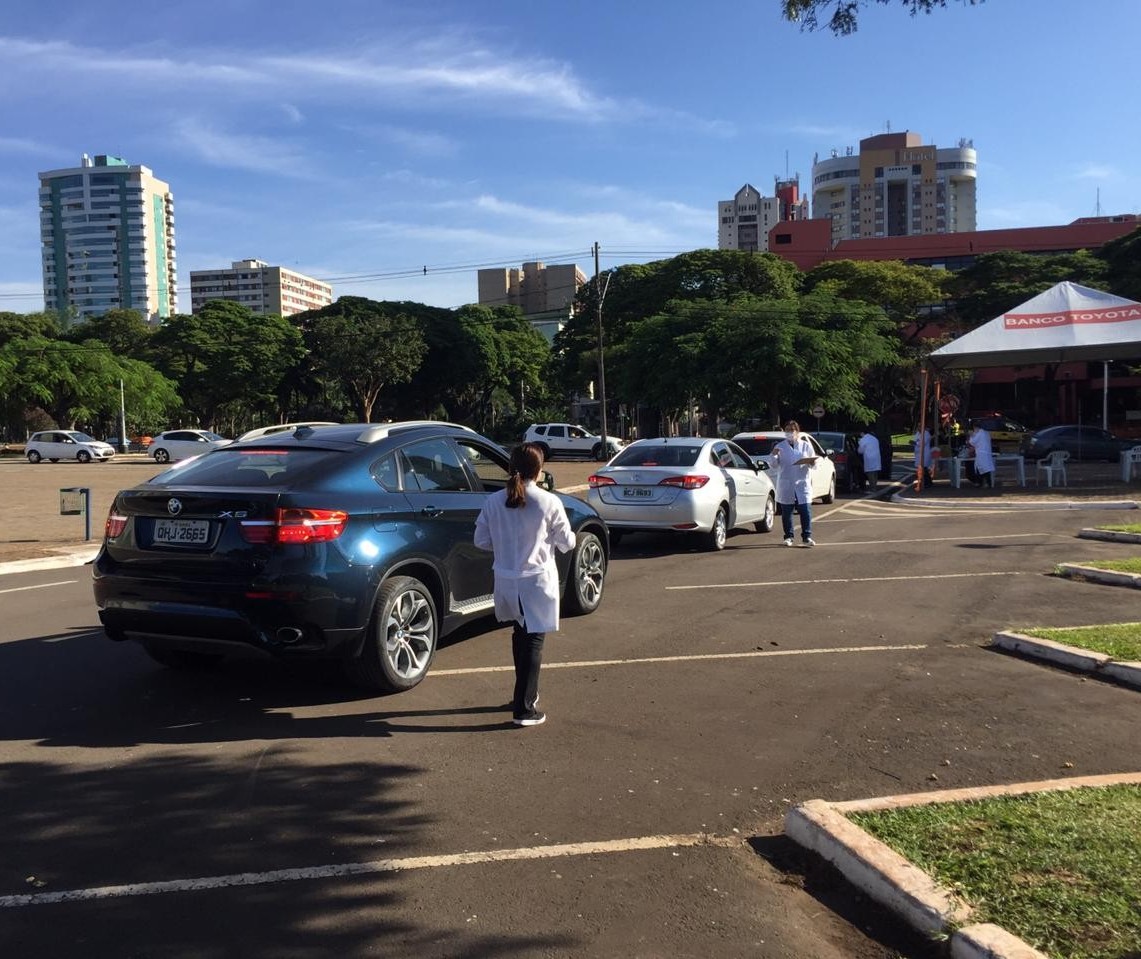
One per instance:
(636, 491)
(182, 532)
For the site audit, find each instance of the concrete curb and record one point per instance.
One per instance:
(1071, 657)
(1110, 535)
(1108, 577)
(67, 556)
(891, 880)
(909, 499)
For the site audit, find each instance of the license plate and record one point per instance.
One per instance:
(182, 532)
(636, 491)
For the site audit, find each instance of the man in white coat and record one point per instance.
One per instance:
(522, 526)
(869, 449)
(980, 468)
(795, 458)
(924, 455)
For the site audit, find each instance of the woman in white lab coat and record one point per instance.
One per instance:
(523, 525)
(922, 442)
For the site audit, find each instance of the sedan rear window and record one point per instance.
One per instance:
(249, 467)
(657, 455)
(758, 445)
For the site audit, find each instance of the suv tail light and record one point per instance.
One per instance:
(689, 481)
(116, 523)
(295, 525)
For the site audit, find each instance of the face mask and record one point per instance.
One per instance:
(791, 437)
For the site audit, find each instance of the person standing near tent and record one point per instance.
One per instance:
(869, 450)
(980, 467)
(922, 443)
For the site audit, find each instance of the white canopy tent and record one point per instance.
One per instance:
(1066, 323)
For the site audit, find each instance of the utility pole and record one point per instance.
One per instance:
(598, 295)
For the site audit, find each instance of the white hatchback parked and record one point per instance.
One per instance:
(56, 445)
(183, 444)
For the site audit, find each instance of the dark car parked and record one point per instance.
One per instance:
(841, 449)
(1081, 442)
(351, 542)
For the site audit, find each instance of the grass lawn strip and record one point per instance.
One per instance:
(1123, 528)
(1061, 870)
(1120, 641)
(1131, 565)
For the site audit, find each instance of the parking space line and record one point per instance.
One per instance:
(855, 579)
(693, 657)
(937, 539)
(17, 589)
(379, 866)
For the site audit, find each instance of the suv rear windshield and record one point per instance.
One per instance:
(657, 455)
(758, 445)
(248, 467)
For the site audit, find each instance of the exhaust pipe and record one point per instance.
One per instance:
(288, 635)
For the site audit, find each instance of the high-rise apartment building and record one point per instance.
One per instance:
(896, 186)
(743, 223)
(534, 289)
(261, 287)
(107, 236)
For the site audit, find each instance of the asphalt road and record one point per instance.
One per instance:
(708, 693)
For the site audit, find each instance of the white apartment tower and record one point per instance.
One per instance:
(743, 223)
(261, 287)
(107, 237)
(896, 186)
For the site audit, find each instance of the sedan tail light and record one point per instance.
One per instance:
(596, 481)
(295, 525)
(689, 481)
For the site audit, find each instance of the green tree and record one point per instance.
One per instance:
(1123, 262)
(365, 345)
(124, 331)
(19, 326)
(227, 360)
(845, 13)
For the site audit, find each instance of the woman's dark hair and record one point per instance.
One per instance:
(526, 464)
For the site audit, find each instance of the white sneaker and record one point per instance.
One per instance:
(788, 541)
(810, 541)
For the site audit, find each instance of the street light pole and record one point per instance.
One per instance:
(598, 295)
(122, 419)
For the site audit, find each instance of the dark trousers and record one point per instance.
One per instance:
(979, 479)
(804, 512)
(527, 651)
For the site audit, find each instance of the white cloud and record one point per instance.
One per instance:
(22, 145)
(1097, 171)
(257, 154)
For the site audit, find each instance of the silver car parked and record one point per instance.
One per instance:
(685, 484)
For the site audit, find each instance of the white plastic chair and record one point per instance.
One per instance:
(1053, 464)
(1132, 459)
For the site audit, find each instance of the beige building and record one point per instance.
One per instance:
(534, 289)
(261, 287)
(107, 240)
(896, 186)
(743, 223)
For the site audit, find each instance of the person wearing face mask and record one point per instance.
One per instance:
(795, 459)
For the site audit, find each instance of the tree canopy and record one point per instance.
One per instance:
(844, 18)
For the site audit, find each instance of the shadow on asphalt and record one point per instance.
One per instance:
(826, 885)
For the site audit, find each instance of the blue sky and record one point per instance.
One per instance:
(362, 140)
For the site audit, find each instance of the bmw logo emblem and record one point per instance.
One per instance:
(174, 506)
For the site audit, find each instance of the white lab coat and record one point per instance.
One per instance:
(928, 454)
(984, 454)
(869, 449)
(794, 484)
(524, 541)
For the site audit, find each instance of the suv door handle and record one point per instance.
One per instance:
(431, 511)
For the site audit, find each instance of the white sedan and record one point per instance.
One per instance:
(684, 484)
(183, 444)
(759, 446)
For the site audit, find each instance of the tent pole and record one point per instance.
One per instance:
(936, 423)
(1105, 394)
(920, 446)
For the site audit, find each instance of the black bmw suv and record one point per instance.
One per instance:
(350, 541)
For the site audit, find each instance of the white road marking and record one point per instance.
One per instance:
(17, 589)
(860, 579)
(696, 657)
(937, 539)
(375, 867)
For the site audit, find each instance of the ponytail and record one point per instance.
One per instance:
(526, 464)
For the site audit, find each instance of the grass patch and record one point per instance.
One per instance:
(1062, 870)
(1131, 565)
(1120, 641)
(1123, 528)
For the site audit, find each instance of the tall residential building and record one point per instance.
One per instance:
(534, 289)
(107, 233)
(261, 287)
(744, 222)
(896, 186)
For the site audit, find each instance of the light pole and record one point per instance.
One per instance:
(599, 296)
(122, 419)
